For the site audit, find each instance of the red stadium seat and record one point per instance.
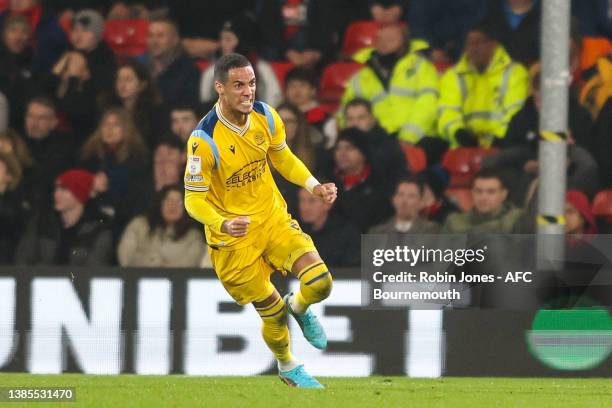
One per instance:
(593, 48)
(3, 5)
(334, 79)
(66, 24)
(281, 68)
(127, 38)
(461, 196)
(602, 204)
(358, 35)
(464, 162)
(415, 158)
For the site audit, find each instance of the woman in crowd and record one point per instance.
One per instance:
(165, 237)
(135, 91)
(12, 209)
(118, 157)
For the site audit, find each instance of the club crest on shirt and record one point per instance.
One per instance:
(194, 147)
(194, 165)
(259, 138)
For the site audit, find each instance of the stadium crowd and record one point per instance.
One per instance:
(423, 112)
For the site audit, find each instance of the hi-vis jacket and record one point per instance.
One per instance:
(408, 104)
(482, 103)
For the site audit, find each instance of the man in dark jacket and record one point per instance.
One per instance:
(176, 75)
(52, 150)
(361, 198)
(385, 152)
(337, 240)
(49, 39)
(73, 234)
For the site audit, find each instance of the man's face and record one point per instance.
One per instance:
(479, 49)
(166, 165)
(488, 195)
(64, 199)
(389, 39)
(359, 117)
(40, 120)
(183, 122)
(238, 91)
(407, 201)
(83, 39)
(16, 37)
(349, 159)
(312, 209)
(162, 39)
(300, 92)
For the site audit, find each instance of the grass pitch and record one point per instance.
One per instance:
(268, 391)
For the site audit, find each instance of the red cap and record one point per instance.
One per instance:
(78, 182)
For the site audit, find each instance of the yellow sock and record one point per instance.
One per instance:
(275, 331)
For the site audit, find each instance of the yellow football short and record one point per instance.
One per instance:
(245, 273)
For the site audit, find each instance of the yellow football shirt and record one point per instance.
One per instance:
(230, 165)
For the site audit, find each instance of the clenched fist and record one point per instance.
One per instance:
(328, 192)
(237, 227)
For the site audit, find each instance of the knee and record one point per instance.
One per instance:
(322, 287)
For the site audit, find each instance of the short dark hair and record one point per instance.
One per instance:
(44, 101)
(302, 74)
(490, 173)
(166, 20)
(227, 62)
(186, 106)
(359, 102)
(411, 179)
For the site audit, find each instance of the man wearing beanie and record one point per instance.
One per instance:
(73, 234)
(85, 71)
(361, 198)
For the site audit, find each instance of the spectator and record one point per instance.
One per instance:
(16, 76)
(12, 207)
(444, 24)
(337, 239)
(49, 39)
(52, 151)
(407, 203)
(401, 85)
(81, 74)
(183, 120)
(168, 163)
(436, 205)
(579, 219)
(481, 93)
(517, 24)
(135, 91)
(306, 142)
(384, 149)
(301, 89)
(175, 74)
(520, 146)
(165, 237)
(491, 212)
(240, 35)
(603, 144)
(361, 199)
(74, 233)
(117, 156)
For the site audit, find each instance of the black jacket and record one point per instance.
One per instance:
(47, 242)
(12, 217)
(179, 82)
(338, 242)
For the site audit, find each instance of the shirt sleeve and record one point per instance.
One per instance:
(201, 161)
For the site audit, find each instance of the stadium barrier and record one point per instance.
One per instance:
(181, 321)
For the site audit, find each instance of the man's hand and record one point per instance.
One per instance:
(328, 192)
(237, 227)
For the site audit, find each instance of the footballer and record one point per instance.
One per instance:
(230, 189)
